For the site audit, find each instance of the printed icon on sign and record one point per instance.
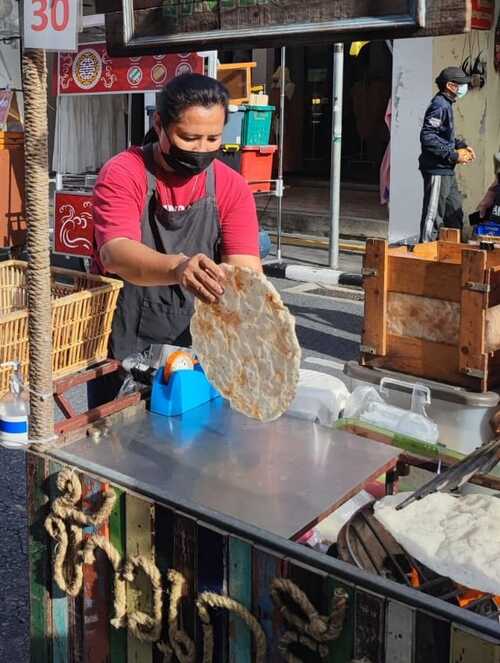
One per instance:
(134, 76)
(158, 73)
(159, 57)
(136, 59)
(183, 68)
(87, 69)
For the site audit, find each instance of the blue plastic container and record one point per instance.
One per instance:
(256, 129)
(233, 129)
(185, 390)
(489, 228)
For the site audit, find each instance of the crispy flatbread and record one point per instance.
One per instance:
(247, 345)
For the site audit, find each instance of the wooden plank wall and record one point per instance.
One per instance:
(73, 630)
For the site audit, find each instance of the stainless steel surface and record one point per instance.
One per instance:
(279, 476)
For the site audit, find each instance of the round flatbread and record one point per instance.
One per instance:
(247, 345)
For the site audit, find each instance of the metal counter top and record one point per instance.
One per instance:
(282, 476)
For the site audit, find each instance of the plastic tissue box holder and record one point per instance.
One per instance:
(185, 390)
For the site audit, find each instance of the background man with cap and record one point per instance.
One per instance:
(441, 151)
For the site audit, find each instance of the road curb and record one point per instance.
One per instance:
(308, 274)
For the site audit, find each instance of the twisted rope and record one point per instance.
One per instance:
(38, 272)
(211, 600)
(309, 628)
(65, 525)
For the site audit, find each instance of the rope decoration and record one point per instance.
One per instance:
(64, 525)
(309, 628)
(209, 599)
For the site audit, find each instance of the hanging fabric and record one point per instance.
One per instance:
(89, 131)
(385, 166)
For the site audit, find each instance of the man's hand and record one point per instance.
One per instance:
(472, 152)
(465, 155)
(202, 277)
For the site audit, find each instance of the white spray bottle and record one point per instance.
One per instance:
(14, 411)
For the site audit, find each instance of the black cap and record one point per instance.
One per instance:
(452, 75)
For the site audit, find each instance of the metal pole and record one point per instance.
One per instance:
(336, 155)
(279, 183)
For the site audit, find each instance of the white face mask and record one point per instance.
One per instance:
(462, 90)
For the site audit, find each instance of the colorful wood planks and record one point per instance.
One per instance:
(96, 583)
(117, 536)
(139, 595)
(74, 630)
(266, 567)
(39, 561)
(59, 600)
(212, 576)
(240, 589)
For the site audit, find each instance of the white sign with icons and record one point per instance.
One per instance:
(51, 25)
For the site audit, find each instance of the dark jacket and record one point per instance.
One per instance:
(439, 146)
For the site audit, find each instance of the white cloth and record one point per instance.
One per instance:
(456, 537)
(89, 131)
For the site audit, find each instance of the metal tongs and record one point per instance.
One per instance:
(480, 461)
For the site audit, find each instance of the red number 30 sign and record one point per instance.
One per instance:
(51, 24)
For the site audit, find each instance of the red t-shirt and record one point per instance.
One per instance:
(121, 191)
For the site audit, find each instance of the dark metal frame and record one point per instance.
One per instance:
(414, 19)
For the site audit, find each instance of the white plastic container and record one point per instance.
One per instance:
(320, 397)
(463, 417)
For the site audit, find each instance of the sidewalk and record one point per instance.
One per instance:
(306, 210)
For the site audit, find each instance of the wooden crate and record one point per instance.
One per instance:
(433, 311)
(83, 306)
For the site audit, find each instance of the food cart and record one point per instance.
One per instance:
(175, 538)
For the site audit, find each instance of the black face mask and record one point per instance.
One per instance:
(188, 163)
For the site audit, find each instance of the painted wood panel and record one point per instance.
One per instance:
(39, 562)
(59, 602)
(240, 589)
(266, 567)
(212, 577)
(96, 579)
(117, 536)
(139, 596)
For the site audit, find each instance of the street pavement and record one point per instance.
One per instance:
(328, 324)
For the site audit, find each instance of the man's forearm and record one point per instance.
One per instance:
(138, 264)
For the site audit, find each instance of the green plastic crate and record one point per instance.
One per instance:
(256, 127)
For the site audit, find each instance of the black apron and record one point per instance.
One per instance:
(161, 314)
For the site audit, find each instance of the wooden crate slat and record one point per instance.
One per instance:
(375, 284)
(425, 278)
(473, 314)
(449, 235)
(240, 589)
(435, 361)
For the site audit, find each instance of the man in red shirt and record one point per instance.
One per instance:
(167, 214)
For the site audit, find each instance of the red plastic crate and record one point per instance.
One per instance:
(256, 166)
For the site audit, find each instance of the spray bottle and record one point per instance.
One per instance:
(14, 411)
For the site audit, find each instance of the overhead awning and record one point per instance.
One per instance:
(147, 26)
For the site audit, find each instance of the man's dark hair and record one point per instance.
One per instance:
(188, 90)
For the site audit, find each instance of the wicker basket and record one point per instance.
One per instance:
(82, 313)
